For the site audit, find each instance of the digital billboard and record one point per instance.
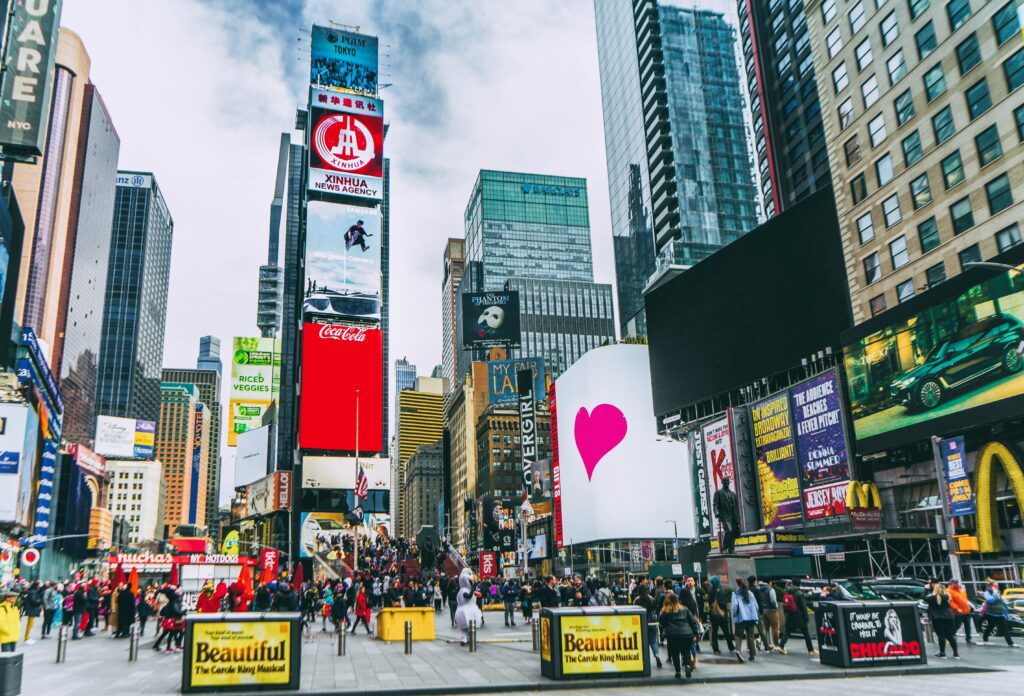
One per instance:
(612, 479)
(490, 319)
(821, 445)
(343, 273)
(252, 454)
(340, 472)
(28, 74)
(343, 60)
(346, 145)
(949, 359)
(337, 362)
(125, 438)
(777, 469)
(503, 382)
(19, 432)
(255, 376)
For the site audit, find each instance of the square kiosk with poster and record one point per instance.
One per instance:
(870, 634)
(594, 642)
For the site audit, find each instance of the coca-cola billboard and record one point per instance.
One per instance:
(337, 362)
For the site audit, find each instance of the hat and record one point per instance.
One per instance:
(12, 593)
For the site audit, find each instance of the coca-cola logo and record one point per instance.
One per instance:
(343, 333)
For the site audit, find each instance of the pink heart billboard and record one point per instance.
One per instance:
(597, 433)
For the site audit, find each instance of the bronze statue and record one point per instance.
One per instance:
(727, 511)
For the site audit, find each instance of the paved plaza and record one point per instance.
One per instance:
(504, 661)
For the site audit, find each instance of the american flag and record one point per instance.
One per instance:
(362, 485)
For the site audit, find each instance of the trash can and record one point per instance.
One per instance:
(10, 673)
(868, 634)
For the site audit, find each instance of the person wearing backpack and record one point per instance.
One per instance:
(768, 600)
(794, 606)
(645, 600)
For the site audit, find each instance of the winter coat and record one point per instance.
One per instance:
(939, 608)
(994, 604)
(208, 603)
(958, 602)
(678, 623)
(51, 599)
(286, 600)
(125, 609)
(262, 600)
(32, 605)
(744, 610)
(10, 622)
(362, 608)
(80, 602)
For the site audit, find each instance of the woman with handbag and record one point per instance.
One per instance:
(718, 603)
(745, 618)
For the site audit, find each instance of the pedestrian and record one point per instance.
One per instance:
(207, 602)
(51, 603)
(453, 600)
(125, 611)
(10, 622)
(996, 615)
(262, 599)
(526, 601)
(768, 601)
(680, 628)
(940, 613)
(794, 606)
(32, 607)
(79, 612)
(92, 606)
(645, 600)
(961, 609)
(285, 599)
(145, 609)
(549, 594)
(509, 595)
(744, 618)
(362, 611)
(718, 607)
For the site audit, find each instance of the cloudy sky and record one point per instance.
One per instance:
(201, 91)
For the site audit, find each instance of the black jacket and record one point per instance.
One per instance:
(285, 600)
(678, 623)
(549, 596)
(937, 610)
(33, 602)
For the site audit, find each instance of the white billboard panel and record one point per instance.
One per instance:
(251, 454)
(613, 479)
(340, 472)
(19, 428)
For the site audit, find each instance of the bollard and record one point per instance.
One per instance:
(928, 636)
(133, 644)
(535, 627)
(341, 642)
(408, 637)
(472, 637)
(62, 643)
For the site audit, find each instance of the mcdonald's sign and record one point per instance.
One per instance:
(985, 489)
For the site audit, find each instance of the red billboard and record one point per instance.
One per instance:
(337, 362)
(346, 145)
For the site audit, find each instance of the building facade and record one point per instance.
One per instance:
(136, 494)
(498, 457)
(423, 487)
(419, 421)
(132, 349)
(182, 418)
(789, 137)
(209, 355)
(291, 311)
(405, 375)
(924, 118)
(454, 267)
(462, 406)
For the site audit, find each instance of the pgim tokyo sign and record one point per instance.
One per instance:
(346, 145)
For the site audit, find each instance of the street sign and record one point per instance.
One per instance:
(814, 550)
(677, 569)
(697, 567)
(837, 556)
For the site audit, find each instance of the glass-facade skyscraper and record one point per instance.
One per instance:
(138, 273)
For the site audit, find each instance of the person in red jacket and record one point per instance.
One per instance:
(238, 599)
(362, 610)
(208, 602)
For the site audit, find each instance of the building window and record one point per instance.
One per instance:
(865, 228)
(864, 56)
(968, 54)
(912, 151)
(1018, 115)
(852, 149)
(898, 252)
(925, 39)
(859, 188)
(869, 90)
(828, 10)
(897, 67)
(876, 130)
(936, 274)
(839, 78)
(962, 215)
(877, 305)
(928, 234)
(891, 210)
(978, 99)
(890, 29)
(917, 7)
(1007, 238)
(958, 12)
(883, 169)
(845, 114)
(856, 17)
(904, 108)
(1000, 197)
(920, 192)
(952, 170)
(1014, 70)
(934, 82)
(872, 268)
(905, 290)
(835, 42)
(944, 126)
(989, 147)
(1006, 22)
(971, 254)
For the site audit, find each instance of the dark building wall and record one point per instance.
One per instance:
(12, 236)
(752, 310)
(294, 272)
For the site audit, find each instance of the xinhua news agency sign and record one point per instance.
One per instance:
(28, 73)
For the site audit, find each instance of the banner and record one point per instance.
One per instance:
(954, 459)
(601, 643)
(701, 500)
(125, 438)
(255, 377)
(488, 564)
(719, 464)
(503, 380)
(490, 319)
(346, 145)
(825, 501)
(776, 462)
(343, 267)
(227, 651)
(820, 439)
(527, 428)
(343, 60)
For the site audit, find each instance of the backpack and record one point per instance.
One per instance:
(789, 603)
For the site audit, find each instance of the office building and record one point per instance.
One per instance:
(451, 342)
(462, 406)
(679, 171)
(789, 137)
(209, 355)
(423, 487)
(136, 494)
(923, 119)
(498, 455)
(291, 310)
(405, 375)
(208, 384)
(132, 349)
(419, 421)
(271, 275)
(182, 447)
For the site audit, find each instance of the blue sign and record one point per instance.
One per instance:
(197, 449)
(343, 60)
(9, 462)
(44, 500)
(29, 340)
(958, 483)
(570, 191)
(502, 385)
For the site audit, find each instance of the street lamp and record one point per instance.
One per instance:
(675, 538)
(995, 264)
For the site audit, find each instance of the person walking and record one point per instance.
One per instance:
(794, 607)
(207, 603)
(526, 602)
(680, 628)
(10, 622)
(996, 615)
(940, 613)
(961, 609)
(645, 600)
(51, 603)
(509, 594)
(362, 611)
(145, 610)
(768, 600)
(285, 599)
(79, 609)
(718, 606)
(125, 611)
(32, 607)
(744, 618)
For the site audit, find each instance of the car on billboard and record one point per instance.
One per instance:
(354, 307)
(988, 346)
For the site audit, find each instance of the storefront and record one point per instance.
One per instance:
(193, 570)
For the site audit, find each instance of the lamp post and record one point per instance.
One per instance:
(996, 265)
(675, 539)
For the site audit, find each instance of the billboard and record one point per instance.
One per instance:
(241, 652)
(340, 472)
(822, 449)
(28, 74)
(197, 462)
(490, 319)
(958, 483)
(612, 479)
(718, 459)
(343, 60)
(343, 275)
(346, 145)
(255, 377)
(949, 359)
(537, 546)
(337, 363)
(701, 499)
(527, 428)
(268, 494)
(777, 470)
(503, 381)
(19, 433)
(125, 438)
(252, 452)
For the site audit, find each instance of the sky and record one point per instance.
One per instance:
(200, 92)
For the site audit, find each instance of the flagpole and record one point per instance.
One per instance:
(355, 495)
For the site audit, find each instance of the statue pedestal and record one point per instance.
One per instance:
(730, 567)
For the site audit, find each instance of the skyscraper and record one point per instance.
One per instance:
(679, 160)
(291, 310)
(419, 421)
(454, 265)
(789, 136)
(209, 355)
(405, 375)
(268, 313)
(132, 350)
(182, 446)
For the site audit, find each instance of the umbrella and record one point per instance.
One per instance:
(298, 575)
(174, 574)
(133, 580)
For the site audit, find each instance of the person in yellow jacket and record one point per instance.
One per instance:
(10, 622)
